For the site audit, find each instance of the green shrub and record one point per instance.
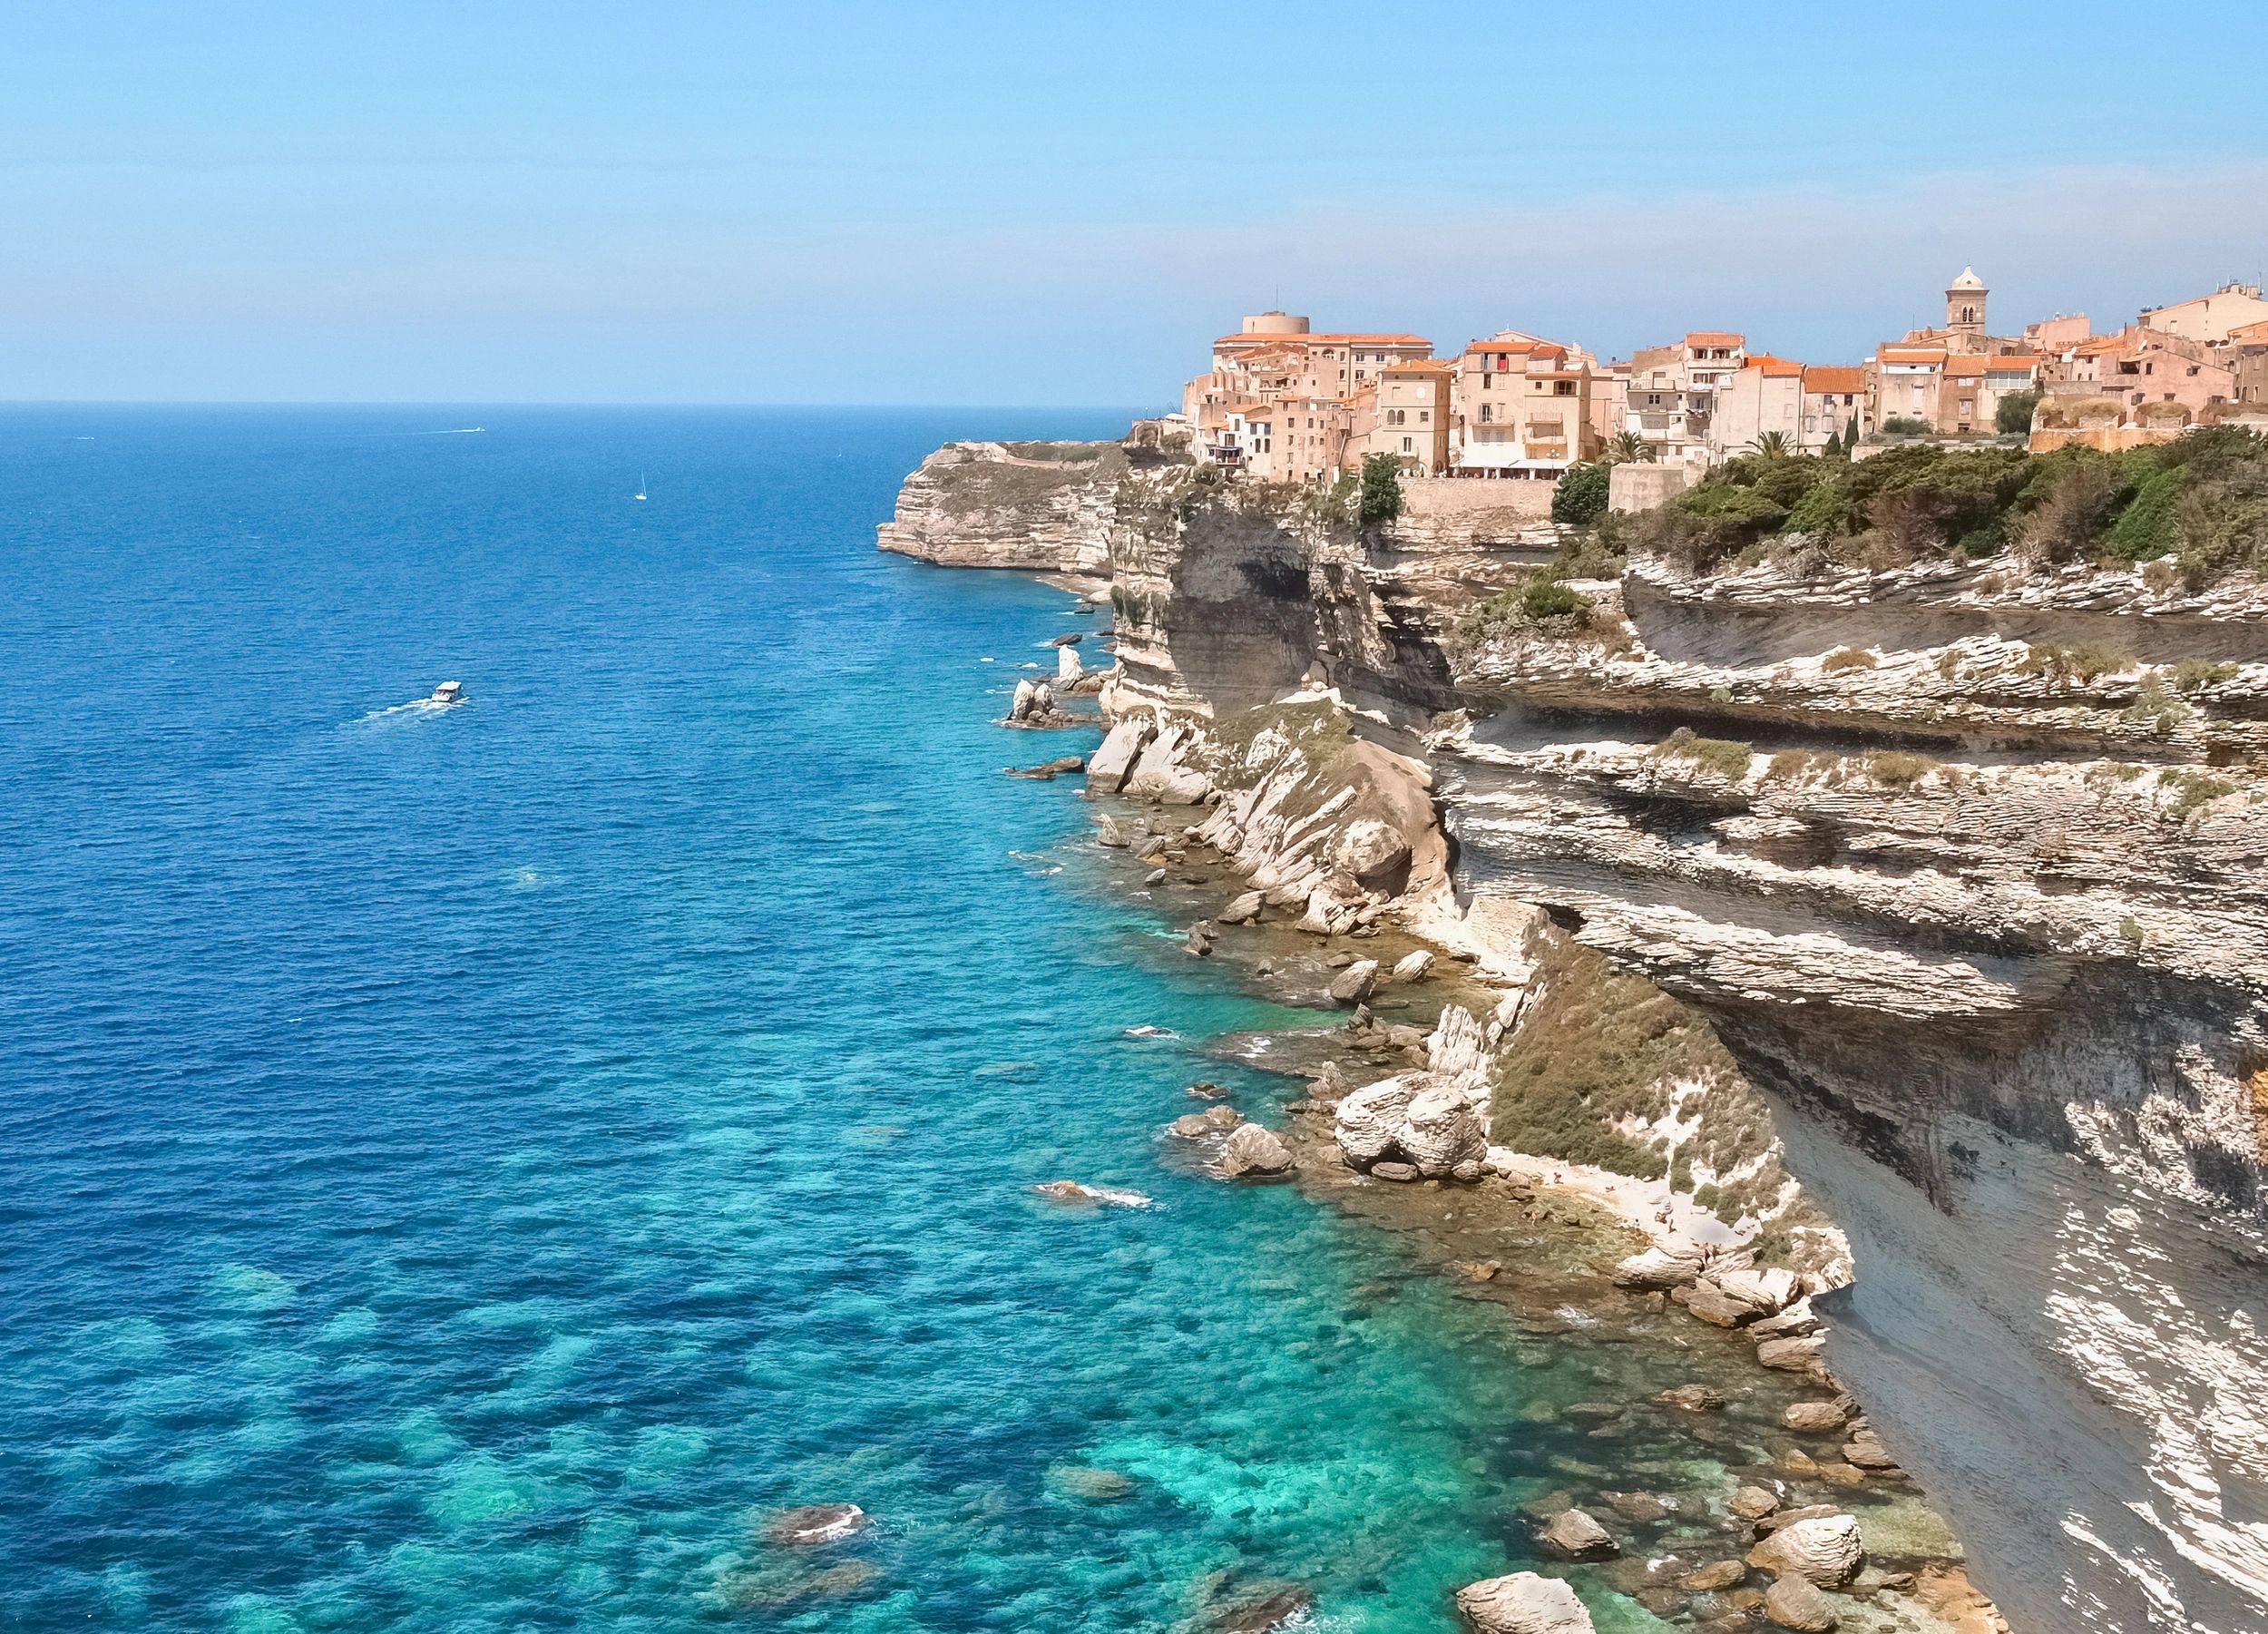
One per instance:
(1905, 425)
(2145, 529)
(2191, 791)
(2012, 415)
(2194, 674)
(1580, 494)
(2063, 665)
(1826, 512)
(1381, 500)
(2157, 708)
(1722, 756)
(1895, 769)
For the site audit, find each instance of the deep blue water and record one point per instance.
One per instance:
(464, 1167)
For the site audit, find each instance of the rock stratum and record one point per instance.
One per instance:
(1940, 898)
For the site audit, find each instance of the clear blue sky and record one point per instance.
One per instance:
(1016, 204)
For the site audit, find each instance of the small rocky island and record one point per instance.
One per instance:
(1882, 943)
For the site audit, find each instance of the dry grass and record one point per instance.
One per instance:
(1848, 657)
(1729, 759)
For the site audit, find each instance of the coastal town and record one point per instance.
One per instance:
(1283, 402)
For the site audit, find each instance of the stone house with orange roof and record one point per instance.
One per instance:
(1672, 390)
(1405, 410)
(1522, 408)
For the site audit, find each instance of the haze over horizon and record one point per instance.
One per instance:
(888, 205)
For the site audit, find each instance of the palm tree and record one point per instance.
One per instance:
(1773, 444)
(1628, 448)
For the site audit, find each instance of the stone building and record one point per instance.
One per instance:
(1523, 409)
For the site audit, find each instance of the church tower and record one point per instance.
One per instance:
(1965, 311)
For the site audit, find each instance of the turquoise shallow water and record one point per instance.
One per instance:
(464, 1167)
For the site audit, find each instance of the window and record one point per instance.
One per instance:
(1424, 415)
(1487, 413)
(1405, 445)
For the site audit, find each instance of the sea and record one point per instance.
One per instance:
(469, 1167)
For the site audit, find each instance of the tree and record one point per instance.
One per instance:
(1628, 448)
(1580, 494)
(2014, 415)
(1833, 450)
(1851, 435)
(1382, 490)
(1773, 444)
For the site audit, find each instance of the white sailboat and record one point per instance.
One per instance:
(641, 487)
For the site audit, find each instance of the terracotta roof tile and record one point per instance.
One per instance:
(1834, 377)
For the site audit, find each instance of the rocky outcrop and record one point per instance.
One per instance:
(1522, 1602)
(1042, 507)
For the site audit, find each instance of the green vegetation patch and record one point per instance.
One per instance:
(2191, 791)
(1722, 756)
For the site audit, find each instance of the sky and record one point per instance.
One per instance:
(539, 200)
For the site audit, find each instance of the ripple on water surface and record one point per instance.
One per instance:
(474, 1164)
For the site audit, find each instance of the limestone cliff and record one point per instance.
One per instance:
(1967, 870)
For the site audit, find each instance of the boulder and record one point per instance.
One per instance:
(1198, 942)
(1824, 1551)
(1154, 878)
(1265, 1613)
(1026, 701)
(1659, 1267)
(1792, 1323)
(1764, 1291)
(1815, 1418)
(1457, 1048)
(1791, 1355)
(815, 1523)
(1367, 1122)
(1693, 1398)
(1865, 1450)
(1716, 1575)
(1109, 833)
(1073, 1191)
(1709, 1302)
(1573, 1535)
(1047, 771)
(1440, 1131)
(1375, 854)
(1068, 668)
(1476, 1270)
(1413, 966)
(1353, 984)
(1241, 910)
(1522, 1602)
(1253, 1150)
(1399, 1172)
(1753, 1502)
(1213, 1120)
(1794, 1604)
(1108, 766)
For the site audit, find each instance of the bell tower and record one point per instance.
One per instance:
(1965, 311)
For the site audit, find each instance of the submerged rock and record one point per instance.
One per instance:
(1047, 771)
(814, 1523)
(1693, 1398)
(1753, 1502)
(1402, 1173)
(1522, 1602)
(1815, 1418)
(1716, 1575)
(1795, 1603)
(1574, 1536)
(1088, 1485)
(1825, 1550)
(1072, 1191)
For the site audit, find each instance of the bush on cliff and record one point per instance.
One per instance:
(1381, 500)
(2203, 499)
(1580, 494)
